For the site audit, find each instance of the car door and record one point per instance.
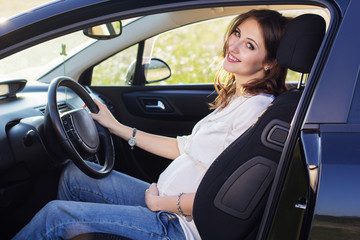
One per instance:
(315, 196)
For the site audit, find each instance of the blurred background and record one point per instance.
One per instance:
(9, 8)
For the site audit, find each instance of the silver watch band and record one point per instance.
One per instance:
(132, 140)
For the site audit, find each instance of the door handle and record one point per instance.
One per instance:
(302, 203)
(159, 106)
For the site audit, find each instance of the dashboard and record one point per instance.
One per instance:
(23, 142)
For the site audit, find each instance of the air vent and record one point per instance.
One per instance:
(63, 107)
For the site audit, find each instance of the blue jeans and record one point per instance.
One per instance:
(114, 204)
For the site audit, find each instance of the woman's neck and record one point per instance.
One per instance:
(239, 91)
(241, 80)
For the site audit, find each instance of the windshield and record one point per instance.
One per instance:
(33, 62)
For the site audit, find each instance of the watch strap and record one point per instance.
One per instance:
(132, 140)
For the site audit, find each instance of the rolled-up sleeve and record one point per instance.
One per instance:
(181, 141)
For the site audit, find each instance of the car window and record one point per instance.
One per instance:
(34, 62)
(192, 52)
(114, 70)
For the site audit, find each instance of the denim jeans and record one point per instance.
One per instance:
(114, 204)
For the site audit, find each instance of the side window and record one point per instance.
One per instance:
(114, 70)
(192, 52)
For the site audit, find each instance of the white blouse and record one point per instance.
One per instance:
(208, 140)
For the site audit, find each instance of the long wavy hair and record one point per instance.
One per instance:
(272, 24)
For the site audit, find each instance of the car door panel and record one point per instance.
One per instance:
(175, 109)
(168, 104)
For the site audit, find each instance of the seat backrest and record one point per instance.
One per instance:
(231, 197)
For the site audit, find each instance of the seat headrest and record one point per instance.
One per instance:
(300, 43)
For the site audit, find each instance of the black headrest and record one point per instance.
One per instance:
(300, 43)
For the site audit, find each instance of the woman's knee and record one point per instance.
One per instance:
(51, 211)
(69, 176)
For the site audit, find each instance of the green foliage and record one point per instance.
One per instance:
(113, 71)
(193, 52)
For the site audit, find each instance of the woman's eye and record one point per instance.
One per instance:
(250, 46)
(237, 33)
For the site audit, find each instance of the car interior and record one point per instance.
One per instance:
(232, 207)
(233, 195)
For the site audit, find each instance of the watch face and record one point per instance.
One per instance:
(132, 141)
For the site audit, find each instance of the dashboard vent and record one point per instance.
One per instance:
(63, 107)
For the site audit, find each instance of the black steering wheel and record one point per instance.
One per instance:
(77, 133)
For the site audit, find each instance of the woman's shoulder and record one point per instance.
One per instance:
(247, 102)
(253, 104)
(260, 98)
(250, 109)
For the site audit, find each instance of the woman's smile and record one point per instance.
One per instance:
(231, 58)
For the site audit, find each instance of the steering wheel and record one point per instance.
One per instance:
(77, 133)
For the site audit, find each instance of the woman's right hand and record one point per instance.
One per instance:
(104, 116)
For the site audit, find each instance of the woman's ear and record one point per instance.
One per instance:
(269, 65)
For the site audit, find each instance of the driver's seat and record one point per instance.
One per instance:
(232, 196)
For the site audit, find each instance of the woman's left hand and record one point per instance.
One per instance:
(152, 197)
(168, 203)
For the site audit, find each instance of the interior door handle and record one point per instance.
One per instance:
(159, 106)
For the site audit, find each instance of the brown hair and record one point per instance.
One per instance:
(272, 24)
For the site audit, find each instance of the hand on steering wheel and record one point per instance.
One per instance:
(104, 116)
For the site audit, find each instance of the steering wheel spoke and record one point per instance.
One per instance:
(68, 127)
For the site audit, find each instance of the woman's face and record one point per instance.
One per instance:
(246, 52)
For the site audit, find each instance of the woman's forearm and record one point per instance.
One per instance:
(162, 146)
(159, 145)
(170, 203)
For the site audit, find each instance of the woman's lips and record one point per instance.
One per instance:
(231, 58)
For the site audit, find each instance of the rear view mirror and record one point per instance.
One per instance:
(104, 31)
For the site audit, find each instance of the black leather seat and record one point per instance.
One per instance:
(231, 197)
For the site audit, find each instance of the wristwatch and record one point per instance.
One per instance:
(132, 140)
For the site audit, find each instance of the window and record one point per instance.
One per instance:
(114, 70)
(192, 52)
(35, 62)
